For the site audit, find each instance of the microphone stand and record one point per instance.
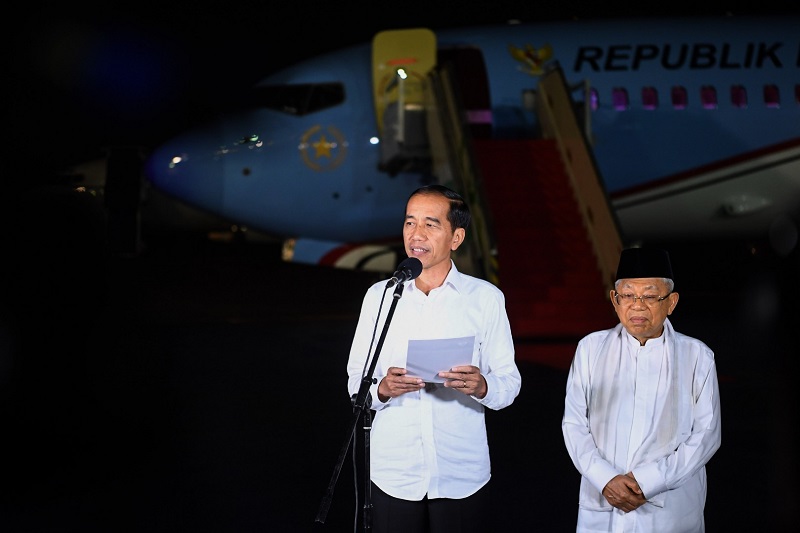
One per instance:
(362, 402)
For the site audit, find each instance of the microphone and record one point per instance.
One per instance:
(407, 270)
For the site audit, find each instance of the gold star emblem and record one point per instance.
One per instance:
(322, 147)
(320, 142)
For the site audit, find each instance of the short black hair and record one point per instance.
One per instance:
(459, 215)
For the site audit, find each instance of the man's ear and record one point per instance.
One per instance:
(612, 297)
(458, 238)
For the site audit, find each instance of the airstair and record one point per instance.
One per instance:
(543, 228)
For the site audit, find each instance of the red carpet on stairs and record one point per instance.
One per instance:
(547, 268)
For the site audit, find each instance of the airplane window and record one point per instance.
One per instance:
(772, 96)
(594, 99)
(649, 97)
(708, 96)
(679, 97)
(619, 98)
(739, 96)
(300, 99)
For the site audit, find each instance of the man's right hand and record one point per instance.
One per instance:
(396, 383)
(624, 493)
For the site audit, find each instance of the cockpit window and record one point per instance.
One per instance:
(299, 99)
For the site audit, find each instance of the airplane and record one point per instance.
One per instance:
(692, 127)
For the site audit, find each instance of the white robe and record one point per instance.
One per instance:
(652, 410)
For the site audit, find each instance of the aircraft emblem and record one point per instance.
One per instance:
(323, 149)
(532, 59)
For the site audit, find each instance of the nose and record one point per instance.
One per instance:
(417, 233)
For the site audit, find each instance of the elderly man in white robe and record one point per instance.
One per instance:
(642, 412)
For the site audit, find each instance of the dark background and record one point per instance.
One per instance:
(200, 386)
(80, 78)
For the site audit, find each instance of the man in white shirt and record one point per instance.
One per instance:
(642, 412)
(429, 453)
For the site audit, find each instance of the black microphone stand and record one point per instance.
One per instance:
(362, 402)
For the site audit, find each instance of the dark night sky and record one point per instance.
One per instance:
(132, 74)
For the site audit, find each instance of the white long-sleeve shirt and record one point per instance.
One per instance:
(652, 410)
(434, 441)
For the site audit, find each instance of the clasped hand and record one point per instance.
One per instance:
(624, 493)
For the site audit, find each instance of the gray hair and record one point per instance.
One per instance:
(666, 281)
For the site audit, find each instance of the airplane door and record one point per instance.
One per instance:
(411, 51)
(468, 70)
(401, 61)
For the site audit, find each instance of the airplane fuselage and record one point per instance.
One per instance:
(694, 126)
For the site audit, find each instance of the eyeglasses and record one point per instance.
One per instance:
(629, 299)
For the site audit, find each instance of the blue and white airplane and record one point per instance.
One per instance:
(694, 126)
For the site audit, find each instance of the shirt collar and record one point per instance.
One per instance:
(454, 279)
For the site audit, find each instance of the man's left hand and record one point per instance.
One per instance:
(467, 379)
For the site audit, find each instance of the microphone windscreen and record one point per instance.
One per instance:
(413, 265)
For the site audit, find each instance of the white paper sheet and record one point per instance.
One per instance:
(426, 358)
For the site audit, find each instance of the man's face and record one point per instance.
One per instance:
(644, 321)
(427, 233)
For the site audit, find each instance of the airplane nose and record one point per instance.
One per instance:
(189, 167)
